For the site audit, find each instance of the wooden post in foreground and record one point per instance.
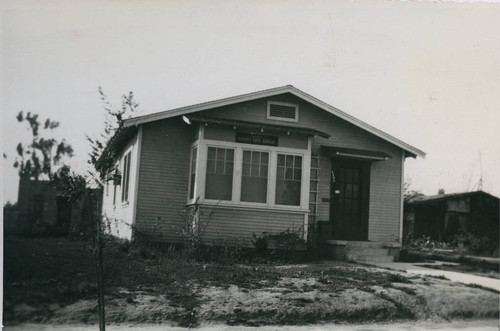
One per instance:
(98, 262)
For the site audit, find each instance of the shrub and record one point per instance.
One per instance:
(289, 240)
(260, 244)
(475, 244)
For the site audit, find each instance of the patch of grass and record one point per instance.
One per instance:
(478, 268)
(438, 277)
(482, 288)
(54, 280)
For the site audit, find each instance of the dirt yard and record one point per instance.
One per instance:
(53, 281)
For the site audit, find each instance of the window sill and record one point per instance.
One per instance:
(125, 204)
(228, 205)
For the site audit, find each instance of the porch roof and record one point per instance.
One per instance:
(259, 126)
(355, 153)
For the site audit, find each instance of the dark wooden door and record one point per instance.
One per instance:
(349, 199)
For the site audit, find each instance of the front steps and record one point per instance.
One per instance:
(362, 251)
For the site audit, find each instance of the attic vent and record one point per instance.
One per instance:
(282, 111)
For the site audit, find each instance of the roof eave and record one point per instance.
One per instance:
(412, 151)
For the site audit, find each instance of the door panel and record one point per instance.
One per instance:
(349, 199)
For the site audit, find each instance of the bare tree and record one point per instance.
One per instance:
(102, 160)
(43, 153)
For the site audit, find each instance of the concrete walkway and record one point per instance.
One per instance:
(471, 325)
(415, 268)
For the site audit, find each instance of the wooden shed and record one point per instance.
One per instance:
(442, 216)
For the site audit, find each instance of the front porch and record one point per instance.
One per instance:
(355, 204)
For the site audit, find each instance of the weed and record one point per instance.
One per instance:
(438, 277)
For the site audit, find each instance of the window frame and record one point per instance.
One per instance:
(206, 169)
(260, 150)
(125, 184)
(278, 103)
(192, 186)
(201, 168)
(293, 174)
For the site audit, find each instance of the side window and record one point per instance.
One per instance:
(219, 179)
(192, 177)
(125, 177)
(288, 179)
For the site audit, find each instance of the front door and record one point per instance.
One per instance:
(350, 181)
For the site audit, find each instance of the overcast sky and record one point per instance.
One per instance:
(426, 72)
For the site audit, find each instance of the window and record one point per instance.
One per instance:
(288, 180)
(254, 176)
(282, 111)
(192, 179)
(125, 177)
(248, 176)
(219, 179)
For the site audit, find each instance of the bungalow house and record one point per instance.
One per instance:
(262, 162)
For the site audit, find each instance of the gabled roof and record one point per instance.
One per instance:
(412, 151)
(449, 196)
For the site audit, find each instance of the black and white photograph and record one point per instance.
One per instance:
(250, 165)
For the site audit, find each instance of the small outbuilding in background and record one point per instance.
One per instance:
(444, 216)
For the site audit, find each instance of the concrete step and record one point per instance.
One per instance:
(367, 251)
(365, 244)
(369, 258)
(361, 251)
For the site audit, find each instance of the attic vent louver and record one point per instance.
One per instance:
(282, 111)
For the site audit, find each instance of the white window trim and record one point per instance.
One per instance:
(269, 103)
(128, 151)
(201, 166)
(193, 200)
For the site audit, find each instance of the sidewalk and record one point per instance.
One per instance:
(415, 268)
(472, 325)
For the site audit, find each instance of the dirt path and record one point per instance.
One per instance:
(474, 325)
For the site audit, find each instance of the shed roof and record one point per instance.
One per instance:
(410, 150)
(449, 196)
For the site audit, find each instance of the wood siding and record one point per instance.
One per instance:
(163, 178)
(238, 224)
(225, 133)
(120, 215)
(385, 177)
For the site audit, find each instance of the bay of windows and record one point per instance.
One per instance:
(247, 175)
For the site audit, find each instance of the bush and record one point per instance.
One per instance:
(260, 244)
(289, 240)
(476, 245)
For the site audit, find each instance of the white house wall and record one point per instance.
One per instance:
(118, 217)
